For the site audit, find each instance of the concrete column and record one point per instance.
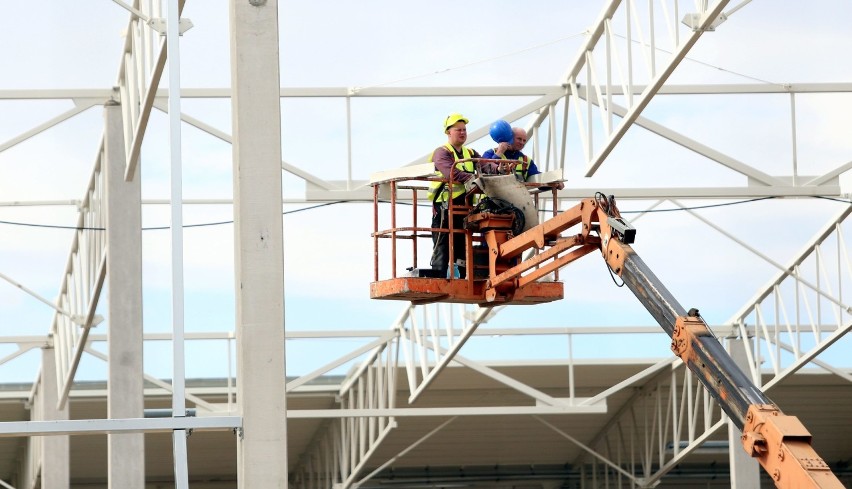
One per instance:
(745, 471)
(55, 468)
(125, 396)
(259, 239)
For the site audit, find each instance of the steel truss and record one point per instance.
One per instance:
(82, 282)
(342, 449)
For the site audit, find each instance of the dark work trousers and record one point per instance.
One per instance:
(441, 244)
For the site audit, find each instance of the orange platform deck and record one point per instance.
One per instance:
(420, 290)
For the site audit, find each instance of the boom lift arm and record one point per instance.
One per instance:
(779, 442)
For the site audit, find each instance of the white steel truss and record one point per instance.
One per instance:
(657, 428)
(547, 142)
(668, 416)
(790, 314)
(341, 450)
(601, 46)
(142, 65)
(82, 281)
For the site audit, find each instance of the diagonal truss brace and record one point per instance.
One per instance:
(445, 356)
(402, 453)
(82, 340)
(79, 106)
(600, 35)
(217, 133)
(159, 383)
(137, 118)
(686, 142)
(707, 19)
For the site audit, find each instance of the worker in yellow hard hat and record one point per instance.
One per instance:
(450, 165)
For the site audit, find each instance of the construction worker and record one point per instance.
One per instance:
(449, 161)
(525, 168)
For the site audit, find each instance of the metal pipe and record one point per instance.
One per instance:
(649, 290)
(166, 413)
(375, 233)
(711, 364)
(393, 228)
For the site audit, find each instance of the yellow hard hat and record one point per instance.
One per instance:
(452, 119)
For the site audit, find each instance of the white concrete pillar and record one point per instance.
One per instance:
(55, 464)
(125, 395)
(745, 471)
(259, 239)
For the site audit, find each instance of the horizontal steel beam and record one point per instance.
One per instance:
(128, 425)
(480, 91)
(598, 408)
(719, 330)
(622, 193)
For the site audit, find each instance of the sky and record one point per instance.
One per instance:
(328, 267)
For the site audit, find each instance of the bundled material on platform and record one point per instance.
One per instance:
(508, 188)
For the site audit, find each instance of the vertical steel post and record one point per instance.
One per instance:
(414, 227)
(176, 177)
(393, 228)
(375, 233)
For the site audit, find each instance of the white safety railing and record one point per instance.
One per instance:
(665, 420)
(662, 37)
(435, 334)
(82, 281)
(142, 64)
(804, 309)
(345, 445)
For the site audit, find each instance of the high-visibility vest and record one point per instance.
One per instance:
(438, 190)
(522, 168)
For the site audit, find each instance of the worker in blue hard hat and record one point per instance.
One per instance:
(453, 164)
(525, 168)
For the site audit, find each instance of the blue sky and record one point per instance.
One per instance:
(328, 249)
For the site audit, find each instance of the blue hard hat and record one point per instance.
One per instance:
(501, 132)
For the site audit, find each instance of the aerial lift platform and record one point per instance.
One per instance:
(422, 286)
(515, 264)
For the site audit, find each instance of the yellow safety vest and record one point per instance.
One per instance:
(522, 168)
(458, 188)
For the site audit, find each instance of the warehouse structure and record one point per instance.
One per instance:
(445, 395)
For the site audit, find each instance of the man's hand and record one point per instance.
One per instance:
(507, 167)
